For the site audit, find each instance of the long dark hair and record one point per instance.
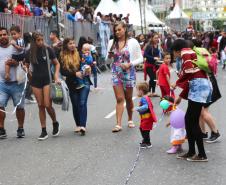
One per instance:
(34, 48)
(115, 39)
(152, 38)
(27, 38)
(82, 40)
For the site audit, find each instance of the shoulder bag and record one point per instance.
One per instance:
(56, 92)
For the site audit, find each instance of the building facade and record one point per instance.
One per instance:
(200, 9)
(209, 9)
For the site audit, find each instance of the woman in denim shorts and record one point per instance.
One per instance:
(126, 53)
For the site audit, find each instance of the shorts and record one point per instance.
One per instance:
(200, 90)
(38, 82)
(11, 90)
(125, 80)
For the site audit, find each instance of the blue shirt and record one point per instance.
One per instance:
(71, 17)
(37, 11)
(143, 108)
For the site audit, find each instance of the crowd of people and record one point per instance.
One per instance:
(45, 8)
(75, 64)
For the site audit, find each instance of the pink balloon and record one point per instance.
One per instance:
(177, 118)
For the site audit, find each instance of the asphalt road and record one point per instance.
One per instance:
(101, 157)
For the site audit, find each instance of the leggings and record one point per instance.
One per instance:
(145, 135)
(194, 133)
(152, 78)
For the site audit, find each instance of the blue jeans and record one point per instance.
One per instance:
(79, 100)
(94, 71)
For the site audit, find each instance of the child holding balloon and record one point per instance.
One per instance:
(178, 133)
(147, 115)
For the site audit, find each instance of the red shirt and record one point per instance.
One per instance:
(214, 44)
(22, 10)
(163, 72)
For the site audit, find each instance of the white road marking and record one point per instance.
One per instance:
(114, 111)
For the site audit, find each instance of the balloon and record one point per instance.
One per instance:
(177, 118)
(164, 104)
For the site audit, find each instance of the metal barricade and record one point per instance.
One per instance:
(29, 23)
(67, 28)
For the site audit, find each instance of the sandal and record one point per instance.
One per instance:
(77, 129)
(82, 131)
(117, 128)
(131, 124)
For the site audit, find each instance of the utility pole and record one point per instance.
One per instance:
(57, 17)
(141, 17)
(145, 24)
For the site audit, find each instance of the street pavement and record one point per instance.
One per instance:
(101, 157)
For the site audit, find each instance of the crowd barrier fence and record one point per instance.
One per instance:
(67, 28)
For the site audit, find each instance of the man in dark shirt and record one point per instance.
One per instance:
(3, 6)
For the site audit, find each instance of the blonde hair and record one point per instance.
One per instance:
(143, 86)
(70, 61)
(86, 46)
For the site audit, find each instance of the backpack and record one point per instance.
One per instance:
(203, 59)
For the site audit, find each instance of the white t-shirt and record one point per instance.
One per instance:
(79, 16)
(98, 19)
(219, 39)
(5, 54)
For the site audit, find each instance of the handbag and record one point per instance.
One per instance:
(20, 74)
(216, 94)
(56, 92)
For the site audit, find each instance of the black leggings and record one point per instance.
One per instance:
(194, 133)
(152, 78)
(146, 136)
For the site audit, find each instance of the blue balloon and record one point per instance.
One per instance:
(164, 104)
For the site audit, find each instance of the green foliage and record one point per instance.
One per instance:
(218, 24)
(95, 2)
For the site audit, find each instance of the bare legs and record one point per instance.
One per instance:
(207, 118)
(44, 104)
(121, 96)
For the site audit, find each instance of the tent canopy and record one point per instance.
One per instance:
(128, 6)
(177, 13)
(106, 7)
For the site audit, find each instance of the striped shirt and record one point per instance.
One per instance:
(189, 71)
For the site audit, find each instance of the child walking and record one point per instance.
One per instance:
(19, 49)
(147, 115)
(163, 76)
(177, 136)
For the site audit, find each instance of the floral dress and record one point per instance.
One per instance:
(126, 78)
